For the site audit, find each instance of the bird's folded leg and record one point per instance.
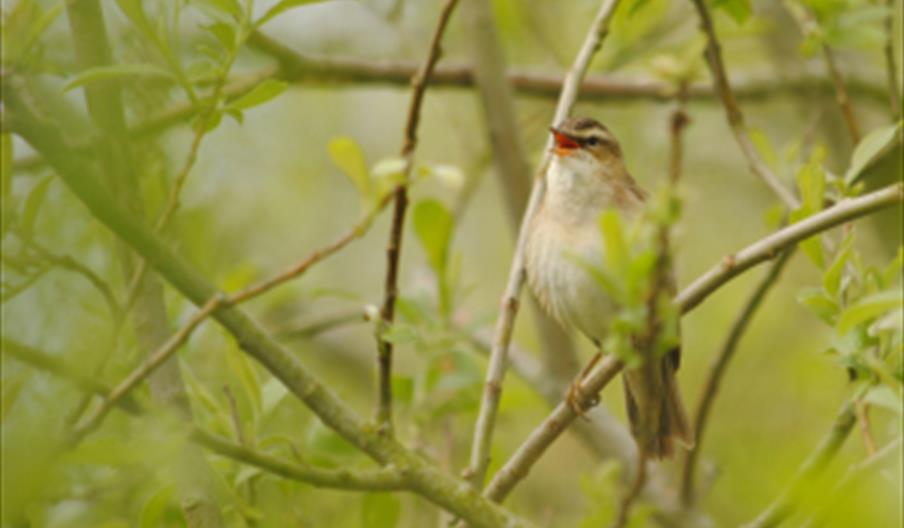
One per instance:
(575, 397)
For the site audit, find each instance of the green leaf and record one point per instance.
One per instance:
(154, 510)
(272, 393)
(870, 148)
(380, 509)
(6, 182)
(347, 155)
(241, 366)
(884, 396)
(118, 72)
(433, 226)
(869, 308)
(33, 204)
(283, 5)
(263, 92)
(831, 280)
(819, 303)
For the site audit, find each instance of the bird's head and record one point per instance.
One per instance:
(583, 139)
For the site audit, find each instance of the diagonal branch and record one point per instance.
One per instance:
(713, 56)
(394, 247)
(388, 478)
(486, 419)
(153, 361)
(517, 467)
(770, 246)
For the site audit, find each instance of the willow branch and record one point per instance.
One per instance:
(811, 469)
(425, 479)
(520, 463)
(489, 405)
(388, 478)
(400, 198)
(151, 363)
(299, 268)
(718, 368)
(733, 113)
(808, 28)
(770, 246)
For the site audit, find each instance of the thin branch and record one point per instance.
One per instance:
(519, 464)
(356, 231)
(772, 245)
(71, 264)
(319, 326)
(388, 478)
(394, 247)
(891, 65)
(138, 375)
(713, 56)
(486, 419)
(809, 29)
(718, 368)
(862, 409)
(812, 468)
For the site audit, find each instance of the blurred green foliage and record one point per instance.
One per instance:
(271, 185)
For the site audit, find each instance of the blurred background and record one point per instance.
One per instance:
(276, 179)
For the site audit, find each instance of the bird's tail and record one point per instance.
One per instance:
(655, 410)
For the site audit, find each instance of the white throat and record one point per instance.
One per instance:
(576, 191)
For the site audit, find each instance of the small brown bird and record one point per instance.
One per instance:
(586, 176)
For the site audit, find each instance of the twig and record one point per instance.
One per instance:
(519, 464)
(319, 326)
(713, 56)
(236, 417)
(718, 368)
(394, 247)
(812, 467)
(486, 419)
(809, 29)
(862, 409)
(71, 264)
(891, 65)
(772, 245)
(153, 361)
(388, 478)
(356, 231)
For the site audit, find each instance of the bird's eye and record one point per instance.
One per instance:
(594, 141)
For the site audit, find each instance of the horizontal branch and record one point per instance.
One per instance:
(770, 247)
(389, 478)
(300, 68)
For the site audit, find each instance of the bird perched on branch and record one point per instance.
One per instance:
(585, 177)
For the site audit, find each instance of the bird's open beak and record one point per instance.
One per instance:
(565, 145)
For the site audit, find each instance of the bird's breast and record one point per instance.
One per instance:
(556, 258)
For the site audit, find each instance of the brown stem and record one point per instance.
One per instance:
(394, 246)
(733, 113)
(862, 409)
